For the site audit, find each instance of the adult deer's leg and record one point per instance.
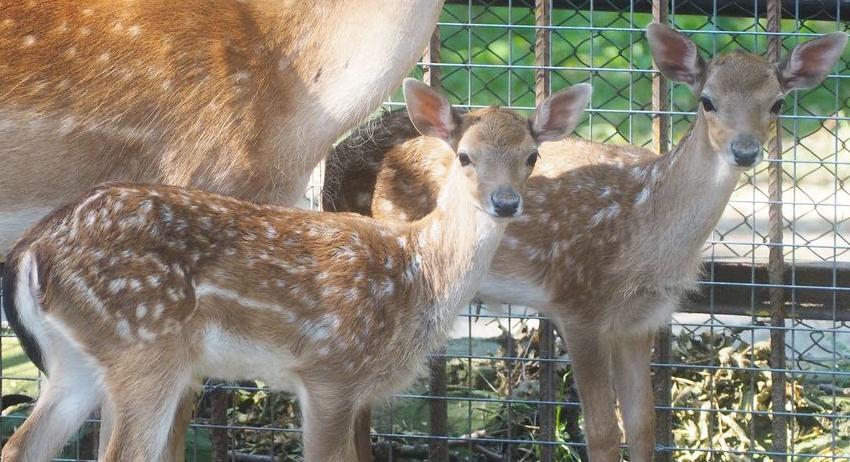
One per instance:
(590, 354)
(362, 434)
(633, 383)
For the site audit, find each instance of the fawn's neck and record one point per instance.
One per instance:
(457, 242)
(685, 194)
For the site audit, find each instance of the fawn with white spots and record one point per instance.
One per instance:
(241, 98)
(127, 296)
(612, 235)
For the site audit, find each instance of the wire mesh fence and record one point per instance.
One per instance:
(756, 366)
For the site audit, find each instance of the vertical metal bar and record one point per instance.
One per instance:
(660, 91)
(663, 352)
(218, 418)
(776, 259)
(438, 419)
(543, 60)
(432, 55)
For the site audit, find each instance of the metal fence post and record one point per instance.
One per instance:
(543, 60)
(438, 448)
(776, 259)
(662, 378)
(219, 400)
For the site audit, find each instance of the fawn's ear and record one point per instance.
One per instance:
(559, 114)
(429, 111)
(676, 56)
(809, 63)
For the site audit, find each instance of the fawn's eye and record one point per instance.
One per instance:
(707, 104)
(777, 106)
(464, 159)
(532, 159)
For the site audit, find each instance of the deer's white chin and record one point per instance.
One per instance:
(489, 210)
(729, 159)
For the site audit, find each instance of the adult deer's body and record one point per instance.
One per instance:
(613, 235)
(134, 292)
(240, 98)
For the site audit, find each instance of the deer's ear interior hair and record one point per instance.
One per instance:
(429, 111)
(560, 113)
(808, 64)
(675, 55)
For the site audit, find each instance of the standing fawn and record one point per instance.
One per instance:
(612, 235)
(132, 293)
(242, 98)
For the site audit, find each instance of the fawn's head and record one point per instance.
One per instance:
(740, 93)
(495, 147)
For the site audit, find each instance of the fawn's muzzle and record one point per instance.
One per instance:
(506, 202)
(746, 149)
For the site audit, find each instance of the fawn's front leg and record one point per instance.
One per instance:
(362, 434)
(633, 383)
(590, 354)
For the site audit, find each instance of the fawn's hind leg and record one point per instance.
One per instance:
(146, 400)
(66, 399)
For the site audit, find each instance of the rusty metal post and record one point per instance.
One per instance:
(662, 382)
(438, 418)
(660, 91)
(776, 259)
(432, 55)
(548, 381)
(219, 400)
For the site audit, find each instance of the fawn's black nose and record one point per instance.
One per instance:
(506, 202)
(746, 150)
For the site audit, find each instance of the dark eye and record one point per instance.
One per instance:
(707, 104)
(464, 159)
(532, 159)
(777, 106)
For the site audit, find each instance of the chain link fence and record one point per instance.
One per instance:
(756, 366)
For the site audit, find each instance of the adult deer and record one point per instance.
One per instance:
(131, 292)
(612, 235)
(241, 98)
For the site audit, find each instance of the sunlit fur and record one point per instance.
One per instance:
(237, 97)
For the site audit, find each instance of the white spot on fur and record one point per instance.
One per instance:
(643, 196)
(145, 334)
(123, 329)
(29, 40)
(157, 310)
(116, 285)
(141, 311)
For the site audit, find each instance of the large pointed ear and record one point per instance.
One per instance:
(676, 56)
(809, 63)
(429, 111)
(559, 114)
